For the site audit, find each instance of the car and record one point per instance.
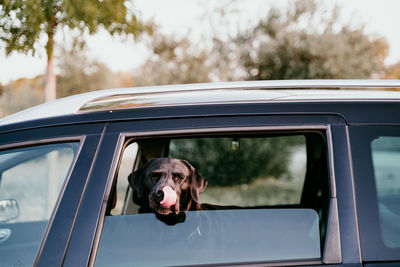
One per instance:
(296, 173)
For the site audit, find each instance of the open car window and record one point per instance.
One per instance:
(247, 171)
(265, 199)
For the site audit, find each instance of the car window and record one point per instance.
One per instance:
(247, 171)
(263, 198)
(386, 158)
(376, 155)
(31, 179)
(122, 185)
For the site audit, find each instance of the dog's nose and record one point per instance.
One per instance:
(158, 196)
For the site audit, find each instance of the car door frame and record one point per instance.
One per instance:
(342, 243)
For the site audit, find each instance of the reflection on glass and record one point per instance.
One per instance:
(210, 237)
(386, 159)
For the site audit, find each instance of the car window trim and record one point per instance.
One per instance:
(43, 141)
(332, 248)
(332, 251)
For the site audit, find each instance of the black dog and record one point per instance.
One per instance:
(167, 187)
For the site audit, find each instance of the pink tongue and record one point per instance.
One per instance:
(169, 197)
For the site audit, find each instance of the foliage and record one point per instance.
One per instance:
(21, 94)
(305, 42)
(79, 74)
(174, 61)
(301, 41)
(393, 72)
(224, 164)
(25, 26)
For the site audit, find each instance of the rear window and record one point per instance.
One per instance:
(376, 157)
(263, 198)
(386, 158)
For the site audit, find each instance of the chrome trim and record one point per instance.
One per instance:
(332, 248)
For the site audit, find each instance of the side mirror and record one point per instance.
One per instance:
(9, 210)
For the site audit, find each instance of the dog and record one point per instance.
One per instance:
(167, 187)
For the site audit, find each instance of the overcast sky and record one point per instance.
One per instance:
(179, 16)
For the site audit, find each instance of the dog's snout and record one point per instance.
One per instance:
(158, 195)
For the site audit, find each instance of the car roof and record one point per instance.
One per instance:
(212, 93)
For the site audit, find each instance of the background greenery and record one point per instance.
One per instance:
(228, 161)
(302, 41)
(247, 171)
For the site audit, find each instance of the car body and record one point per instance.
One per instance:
(64, 164)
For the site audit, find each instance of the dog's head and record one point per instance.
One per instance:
(167, 185)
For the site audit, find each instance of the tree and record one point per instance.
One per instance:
(26, 25)
(174, 60)
(224, 165)
(79, 74)
(300, 41)
(393, 72)
(307, 42)
(21, 94)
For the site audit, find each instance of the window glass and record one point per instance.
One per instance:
(219, 236)
(386, 159)
(221, 199)
(247, 171)
(30, 182)
(122, 187)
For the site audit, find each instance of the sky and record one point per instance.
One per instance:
(181, 16)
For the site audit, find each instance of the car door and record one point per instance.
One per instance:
(43, 173)
(334, 233)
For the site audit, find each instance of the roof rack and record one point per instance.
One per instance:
(186, 94)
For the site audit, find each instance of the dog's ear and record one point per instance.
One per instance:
(136, 180)
(197, 182)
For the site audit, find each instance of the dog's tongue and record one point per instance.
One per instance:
(169, 197)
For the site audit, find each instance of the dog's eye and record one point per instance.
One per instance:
(178, 177)
(155, 175)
